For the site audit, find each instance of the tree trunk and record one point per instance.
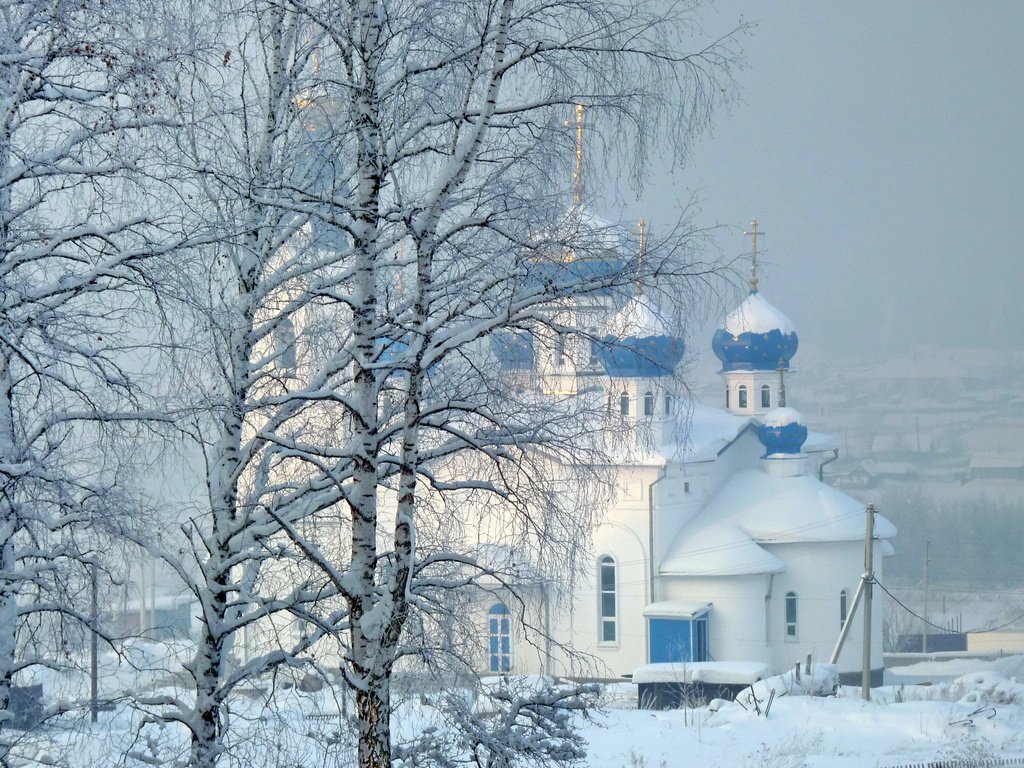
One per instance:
(373, 708)
(206, 723)
(8, 623)
(8, 558)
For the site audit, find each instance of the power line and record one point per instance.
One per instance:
(937, 626)
(905, 608)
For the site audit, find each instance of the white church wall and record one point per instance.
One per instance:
(624, 535)
(817, 573)
(573, 621)
(679, 495)
(569, 612)
(688, 487)
(744, 453)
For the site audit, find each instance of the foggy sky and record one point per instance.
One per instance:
(880, 145)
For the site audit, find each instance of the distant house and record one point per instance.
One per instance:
(889, 470)
(999, 466)
(852, 477)
(1002, 642)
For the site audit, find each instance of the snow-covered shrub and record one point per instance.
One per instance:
(822, 680)
(514, 721)
(981, 689)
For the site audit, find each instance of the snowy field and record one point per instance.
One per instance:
(974, 719)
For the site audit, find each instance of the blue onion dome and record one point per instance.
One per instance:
(590, 235)
(782, 432)
(756, 337)
(638, 343)
(513, 349)
(579, 248)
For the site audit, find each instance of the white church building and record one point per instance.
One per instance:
(723, 543)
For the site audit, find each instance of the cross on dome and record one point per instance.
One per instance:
(753, 233)
(577, 179)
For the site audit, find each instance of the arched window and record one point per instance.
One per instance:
(648, 404)
(766, 396)
(791, 615)
(726, 397)
(843, 608)
(560, 349)
(592, 333)
(668, 405)
(608, 629)
(742, 392)
(624, 404)
(284, 347)
(500, 640)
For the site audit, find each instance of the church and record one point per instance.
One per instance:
(723, 543)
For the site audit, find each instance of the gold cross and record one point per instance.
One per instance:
(753, 233)
(577, 185)
(640, 253)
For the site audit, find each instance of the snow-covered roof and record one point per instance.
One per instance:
(818, 441)
(756, 337)
(781, 416)
(697, 433)
(676, 609)
(723, 672)
(723, 549)
(757, 315)
(708, 431)
(637, 318)
(581, 228)
(701, 433)
(752, 509)
(997, 460)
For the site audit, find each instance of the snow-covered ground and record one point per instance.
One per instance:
(975, 717)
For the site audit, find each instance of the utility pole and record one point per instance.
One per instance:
(869, 581)
(924, 633)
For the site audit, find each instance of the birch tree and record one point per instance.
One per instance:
(383, 188)
(76, 89)
(450, 122)
(257, 360)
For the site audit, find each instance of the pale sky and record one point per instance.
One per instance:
(880, 145)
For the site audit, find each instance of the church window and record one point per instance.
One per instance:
(500, 631)
(843, 608)
(560, 349)
(624, 404)
(686, 486)
(726, 397)
(609, 617)
(742, 392)
(766, 396)
(668, 405)
(592, 332)
(649, 404)
(791, 615)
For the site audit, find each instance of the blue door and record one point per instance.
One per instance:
(678, 639)
(670, 640)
